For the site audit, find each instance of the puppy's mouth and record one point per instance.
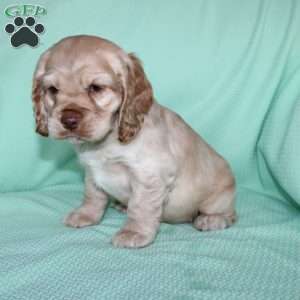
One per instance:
(80, 137)
(71, 137)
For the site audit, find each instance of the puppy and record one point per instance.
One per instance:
(89, 91)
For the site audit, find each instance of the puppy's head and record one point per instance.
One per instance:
(85, 86)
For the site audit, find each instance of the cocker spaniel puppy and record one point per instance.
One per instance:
(89, 91)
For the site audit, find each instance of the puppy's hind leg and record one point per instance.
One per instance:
(217, 211)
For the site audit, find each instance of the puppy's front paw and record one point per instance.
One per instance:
(78, 218)
(131, 239)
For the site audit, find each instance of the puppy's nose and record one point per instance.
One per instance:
(71, 118)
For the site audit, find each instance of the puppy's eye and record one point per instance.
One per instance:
(94, 88)
(52, 90)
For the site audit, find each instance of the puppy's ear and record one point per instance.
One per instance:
(137, 100)
(37, 96)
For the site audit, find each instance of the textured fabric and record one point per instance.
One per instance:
(40, 259)
(231, 69)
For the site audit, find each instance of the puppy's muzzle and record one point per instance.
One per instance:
(70, 118)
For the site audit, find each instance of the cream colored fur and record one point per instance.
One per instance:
(167, 173)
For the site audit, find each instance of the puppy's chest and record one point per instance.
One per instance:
(112, 176)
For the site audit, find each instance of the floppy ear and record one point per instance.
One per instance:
(37, 95)
(137, 100)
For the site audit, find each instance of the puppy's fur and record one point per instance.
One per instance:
(89, 91)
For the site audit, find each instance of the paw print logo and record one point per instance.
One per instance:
(24, 32)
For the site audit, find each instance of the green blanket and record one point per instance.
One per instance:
(232, 70)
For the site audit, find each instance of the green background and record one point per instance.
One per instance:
(231, 69)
